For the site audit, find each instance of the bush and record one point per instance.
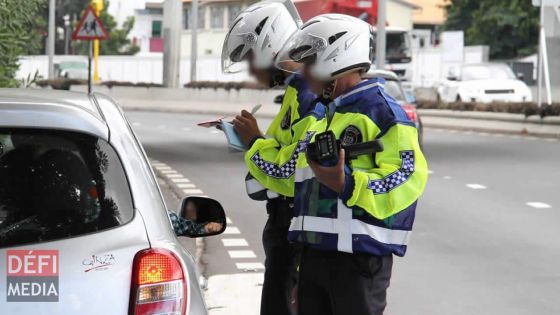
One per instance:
(110, 84)
(527, 109)
(224, 85)
(60, 83)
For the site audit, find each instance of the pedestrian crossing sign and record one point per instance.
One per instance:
(90, 27)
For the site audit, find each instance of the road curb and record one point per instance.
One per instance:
(226, 112)
(452, 120)
(491, 116)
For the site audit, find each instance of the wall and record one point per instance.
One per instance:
(134, 68)
(399, 15)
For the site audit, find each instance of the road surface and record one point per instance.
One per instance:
(486, 237)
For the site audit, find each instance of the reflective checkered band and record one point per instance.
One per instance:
(390, 182)
(287, 169)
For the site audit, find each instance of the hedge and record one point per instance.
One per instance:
(527, 109)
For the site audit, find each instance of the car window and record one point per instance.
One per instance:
(59, 184)
(487, 72)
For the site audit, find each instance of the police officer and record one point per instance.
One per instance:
(353, 216)
(255, 38)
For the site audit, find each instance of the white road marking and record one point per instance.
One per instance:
(136, 123)
(232, 230)
(234, 242)
(249, 266)
(193, 191)
(186, 186)
(476, 186)
(186, 129)
(532, 138)
(538, 205)
(241, 254)
(174, 176)
(158, 164)
(180, 180)
(162, 168)
(430, 172)
(162, 126)
(169, 172)
(550, 140)
(446, 177)
(215, 131)
(483, 134)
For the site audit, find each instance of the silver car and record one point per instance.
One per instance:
(83, 225)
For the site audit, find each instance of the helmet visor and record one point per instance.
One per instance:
(301, 48)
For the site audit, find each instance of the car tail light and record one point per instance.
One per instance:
(158, 284)
(411, 112)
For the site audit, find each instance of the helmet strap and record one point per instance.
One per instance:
(328, 90)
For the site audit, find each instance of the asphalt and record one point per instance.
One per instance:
(486, 236)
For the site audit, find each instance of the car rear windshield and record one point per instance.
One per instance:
(59, 184)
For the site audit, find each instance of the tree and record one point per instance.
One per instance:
(118, 43)
(509, 27)
(17, 33)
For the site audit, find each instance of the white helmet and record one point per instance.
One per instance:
(261, 29)
(335, 43)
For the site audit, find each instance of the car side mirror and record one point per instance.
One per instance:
(206, 216)
(278, 99)
(520, 76)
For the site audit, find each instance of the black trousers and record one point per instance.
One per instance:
(336, 283)
(279, 275)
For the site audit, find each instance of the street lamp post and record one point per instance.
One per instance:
(50, 39)
(172, 17)
(194, 39)
(381, 34)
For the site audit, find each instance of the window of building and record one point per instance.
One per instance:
(156, 28)
(217, 16)
(187, 17)
(233, 12)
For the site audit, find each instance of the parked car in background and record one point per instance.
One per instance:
(484, 83)
(72, 70)
(82, 220)
(407, 100)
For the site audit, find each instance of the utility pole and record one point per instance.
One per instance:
(194, 40)
(381, 44)
(172, 26)
(97, 7)
(50, 40)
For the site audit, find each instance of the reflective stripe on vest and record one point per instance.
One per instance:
(345, 226)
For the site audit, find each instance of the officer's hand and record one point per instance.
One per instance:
(330, 176)
(247, 127)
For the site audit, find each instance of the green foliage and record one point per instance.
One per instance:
(509, 27)
(118, 43)
(17, 25)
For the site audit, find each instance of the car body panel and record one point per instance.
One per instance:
(83, 290)
(108, 291)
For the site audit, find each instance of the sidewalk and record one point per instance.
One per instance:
(197, 107)
(446, 119)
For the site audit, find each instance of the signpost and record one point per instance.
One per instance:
(543, 52)
(90, 28)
